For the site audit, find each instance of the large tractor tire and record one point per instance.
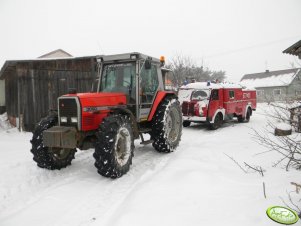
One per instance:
(114, 148)
(54, 158)
(167, 125)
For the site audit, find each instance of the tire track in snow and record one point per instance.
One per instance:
(107, 195)
(31, 188)
(101, 195)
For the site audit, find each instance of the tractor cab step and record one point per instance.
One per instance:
(145, 142)
(145, 130)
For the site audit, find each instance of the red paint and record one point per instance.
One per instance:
(91, 120)
(159, 97)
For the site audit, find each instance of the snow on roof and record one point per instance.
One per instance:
(204, 85)
(270, 79)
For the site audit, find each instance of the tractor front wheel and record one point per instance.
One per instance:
(114, 148)
(49, 158)
(167, 125)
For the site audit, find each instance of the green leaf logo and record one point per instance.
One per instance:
(282, 215)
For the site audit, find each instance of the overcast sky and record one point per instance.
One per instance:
(238, 36)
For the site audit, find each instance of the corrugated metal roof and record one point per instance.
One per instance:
(294, 49)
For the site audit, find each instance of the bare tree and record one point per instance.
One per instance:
(185, 68)
(289, 147)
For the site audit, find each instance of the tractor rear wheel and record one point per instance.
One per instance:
(49, 158)
(114, 148)
(167, 125)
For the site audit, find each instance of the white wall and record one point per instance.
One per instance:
(2, 92)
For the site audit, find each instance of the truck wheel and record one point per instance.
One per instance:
(248, 115)
(114, 148)
(186, 123)
(240, 118)
(218, 121)
(54, 158)
(167, 125)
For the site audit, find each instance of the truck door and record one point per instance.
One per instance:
(215, 103)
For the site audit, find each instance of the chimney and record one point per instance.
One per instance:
(267, 71)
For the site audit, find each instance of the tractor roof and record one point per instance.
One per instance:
(127, 56)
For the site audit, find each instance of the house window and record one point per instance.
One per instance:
(298, 93)
(231, 94)
(277, 91)
(260, 92)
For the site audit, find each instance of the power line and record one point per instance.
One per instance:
(250, 47)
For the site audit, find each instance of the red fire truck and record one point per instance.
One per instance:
(213, 103)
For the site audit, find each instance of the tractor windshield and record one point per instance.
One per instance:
(119, 78)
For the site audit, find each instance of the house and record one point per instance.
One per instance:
(294, 49)
(59, 53)
(275, 85)
(33, 86)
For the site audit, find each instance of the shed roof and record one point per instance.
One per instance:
(294, 49)
(10, 65)
(270, 78)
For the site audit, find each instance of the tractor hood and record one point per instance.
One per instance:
(92, 100)
(89, 108)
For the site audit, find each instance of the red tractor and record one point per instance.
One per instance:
(130, 101)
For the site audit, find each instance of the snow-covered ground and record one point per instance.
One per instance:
(198, 184)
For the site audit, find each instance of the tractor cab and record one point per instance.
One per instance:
(137, 76)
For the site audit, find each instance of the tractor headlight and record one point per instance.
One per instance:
(64, 119)
(74, 119)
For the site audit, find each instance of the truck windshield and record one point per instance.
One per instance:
(119, 78)
(200, 95)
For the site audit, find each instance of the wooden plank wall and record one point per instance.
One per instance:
(41, 83)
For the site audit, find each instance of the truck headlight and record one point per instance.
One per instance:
(74, 119)
(64, 119)
(201, 112)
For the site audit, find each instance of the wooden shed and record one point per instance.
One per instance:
(33, 86)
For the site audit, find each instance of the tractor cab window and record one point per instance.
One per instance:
(149, 83)
(168, 79)
(119, 78)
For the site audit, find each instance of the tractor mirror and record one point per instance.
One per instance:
(147, 64)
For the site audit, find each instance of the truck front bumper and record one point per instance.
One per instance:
(194, 119)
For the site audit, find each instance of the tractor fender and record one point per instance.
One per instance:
(158, 99)
(125, 111)
(222, 111)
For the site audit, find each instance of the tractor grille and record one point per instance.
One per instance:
(68, 108)
(188, 108)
